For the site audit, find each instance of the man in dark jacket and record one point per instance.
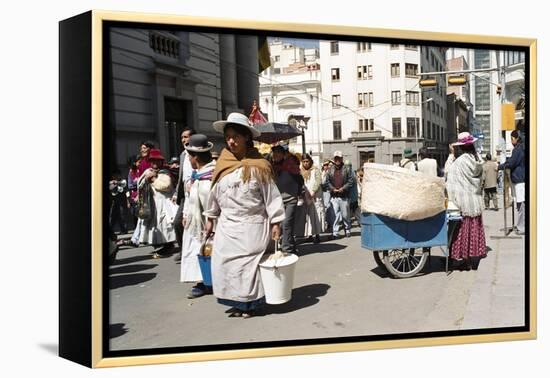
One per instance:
(339, 182)
(290, 183)
(516, 164)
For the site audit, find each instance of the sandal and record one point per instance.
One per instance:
(235, 314)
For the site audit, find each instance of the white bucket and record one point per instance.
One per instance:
(278, 278)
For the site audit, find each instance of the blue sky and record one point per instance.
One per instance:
(307, 43)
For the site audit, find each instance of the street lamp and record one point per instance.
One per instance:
(302, 125)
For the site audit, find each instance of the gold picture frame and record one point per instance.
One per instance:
(82, 299)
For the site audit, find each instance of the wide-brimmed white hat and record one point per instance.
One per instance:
(465, 138)
(236, 119)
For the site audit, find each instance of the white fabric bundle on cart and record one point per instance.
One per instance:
(401, 193)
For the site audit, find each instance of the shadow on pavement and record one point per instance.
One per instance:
(133, 259)
(131, 268)
(117, 330)
(302, 297)
(117, 282)
(381, 272)
(326, 247)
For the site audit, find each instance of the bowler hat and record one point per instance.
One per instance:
(198, 143)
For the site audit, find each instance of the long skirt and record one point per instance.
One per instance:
(470, 241)
(190, 270)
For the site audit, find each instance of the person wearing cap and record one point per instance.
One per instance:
(182, 189)
(516, 164)
(158, 231)
(248, 210)
(489, 182)
(464, 190)
(198, 149)
(407, 162)
(339, 182)
(290, 184)
(315, 211)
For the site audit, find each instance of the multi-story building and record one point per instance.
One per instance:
(163, 81)
(372, 104)
(290, 91)
(434, 100)
(486, 96)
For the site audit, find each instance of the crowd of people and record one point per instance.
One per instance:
(240, 200)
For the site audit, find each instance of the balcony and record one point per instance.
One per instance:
(165, 44)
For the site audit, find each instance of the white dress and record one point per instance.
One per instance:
(315, 210)
(160, 230)
(245, 213)
(193, 207)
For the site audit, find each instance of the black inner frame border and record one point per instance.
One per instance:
(106, 98)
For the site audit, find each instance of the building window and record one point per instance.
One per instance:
(360, 100)
(411, 69)
(371, 124)
(429, 129)
(362, 124)
(277, 58)
(411, 47)
(396, 127)
(437, 109)
(369, 71)
(364, 46)
(394, 47)
(395, 97)
(337, 130)
(366, 124)
(412, 98)
(335, 101)
(361, 72)
(395, 71)
(334, 48)
(276, 71)
(369, 99)
(335, 73)
(365, 99)
(412, 127)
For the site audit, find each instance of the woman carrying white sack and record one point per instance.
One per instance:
(158, 230)
(198, 148)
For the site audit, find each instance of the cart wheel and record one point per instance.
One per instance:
(378, 259)
(404, 263)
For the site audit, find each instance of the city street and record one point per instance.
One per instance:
(338, 291)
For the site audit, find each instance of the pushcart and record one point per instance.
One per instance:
(402, 247)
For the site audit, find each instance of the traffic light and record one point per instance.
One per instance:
(457, 80)
(499, 89)
(428, 82)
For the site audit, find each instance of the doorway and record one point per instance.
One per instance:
(176, 118)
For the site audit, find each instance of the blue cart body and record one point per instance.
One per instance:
(379, 232)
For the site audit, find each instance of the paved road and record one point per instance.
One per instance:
(338, 291)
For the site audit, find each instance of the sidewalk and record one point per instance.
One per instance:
(497, 297)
